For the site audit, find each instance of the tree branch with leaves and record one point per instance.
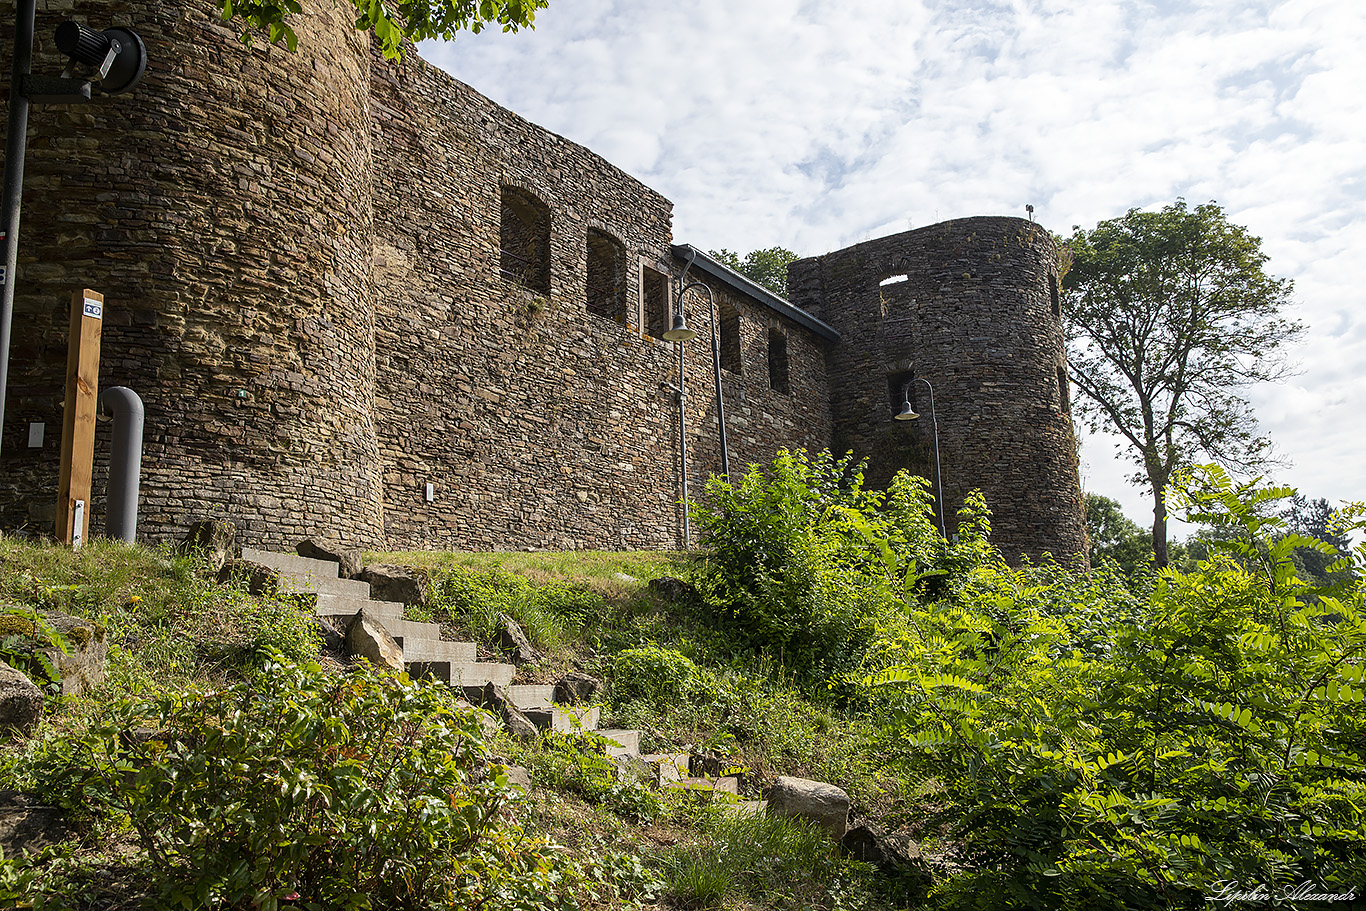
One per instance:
(392, 21)
(1170, 317)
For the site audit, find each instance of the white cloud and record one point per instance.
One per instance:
(815, 124)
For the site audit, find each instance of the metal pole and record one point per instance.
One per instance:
(15, 140)
(938, 469)
(125, 462)
(716, 367)
(683, 442)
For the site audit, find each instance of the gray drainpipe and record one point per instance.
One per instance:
(125, 462)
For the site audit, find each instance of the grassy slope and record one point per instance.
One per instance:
(169, 627)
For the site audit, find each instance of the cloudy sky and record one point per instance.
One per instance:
(815, 124)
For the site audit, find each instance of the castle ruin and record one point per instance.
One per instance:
(336, 280)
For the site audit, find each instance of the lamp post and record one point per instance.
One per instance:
(682, 332)
(118, 59)
(907, 413)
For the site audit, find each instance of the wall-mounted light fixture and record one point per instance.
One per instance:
(907, 413)
(118, 59)
(682, 332)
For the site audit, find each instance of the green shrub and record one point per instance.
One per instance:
(802, 563)
(1210, 734)
(578, 763)
(301, 789)
(657, 675)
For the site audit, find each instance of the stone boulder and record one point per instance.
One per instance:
(346, 558)
(216, 538)
(512, 639)
(259, 580)
(21, 703)
(496, 700)
(894, 854)
(26, 825)
(671, 589)
(394, 583)
(367, 638)
(81, 666)
(824, 804)
(78, 669)
(576, 687)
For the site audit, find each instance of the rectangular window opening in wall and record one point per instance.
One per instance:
(1064, 394)
(897, 391)
(1054, 297)
(524, 240)
(654, 293)
(606, 278)
(777, 362)
(730, 338)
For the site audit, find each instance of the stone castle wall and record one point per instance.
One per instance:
(224, 209)
(303, 261)
(970, 306)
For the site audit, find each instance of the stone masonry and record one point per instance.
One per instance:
(336, 280)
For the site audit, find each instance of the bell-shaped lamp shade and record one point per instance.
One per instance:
(681, 331)
(907, 413)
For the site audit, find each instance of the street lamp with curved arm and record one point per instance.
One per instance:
(907, 413)
(682, 332)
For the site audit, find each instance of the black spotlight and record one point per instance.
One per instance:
(117, 54)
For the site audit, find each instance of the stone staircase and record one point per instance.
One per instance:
(427, 655)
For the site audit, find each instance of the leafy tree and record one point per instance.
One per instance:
(393, 21)
(768, 267)
(1169, 316)
(1114, 536)
(1318, 520)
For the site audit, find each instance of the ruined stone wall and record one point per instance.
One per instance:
(307, 283)
(976, 316)
(224, 209)
(538, 422)
(759, 419)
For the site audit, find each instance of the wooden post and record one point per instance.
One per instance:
(78, 421)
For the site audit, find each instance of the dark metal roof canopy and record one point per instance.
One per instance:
(755, 291)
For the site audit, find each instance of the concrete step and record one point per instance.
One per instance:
(725, 788)
(564, 719)
(532, 695)
(479, 673)
(348, 606)
(307, 583)
(410, 633)
(430, 651)
(627, 742)
(669, 766)
(291, 564)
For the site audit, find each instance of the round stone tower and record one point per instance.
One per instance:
(971, 308)
(224, 210)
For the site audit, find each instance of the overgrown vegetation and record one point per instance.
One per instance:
(1054, 736)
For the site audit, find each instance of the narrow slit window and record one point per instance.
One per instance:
(730, 338)
(777, 362)
(654, 292)
(606, 279)
(897, 391)
(1064, 394)
(524, 240)
(1054, 297)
